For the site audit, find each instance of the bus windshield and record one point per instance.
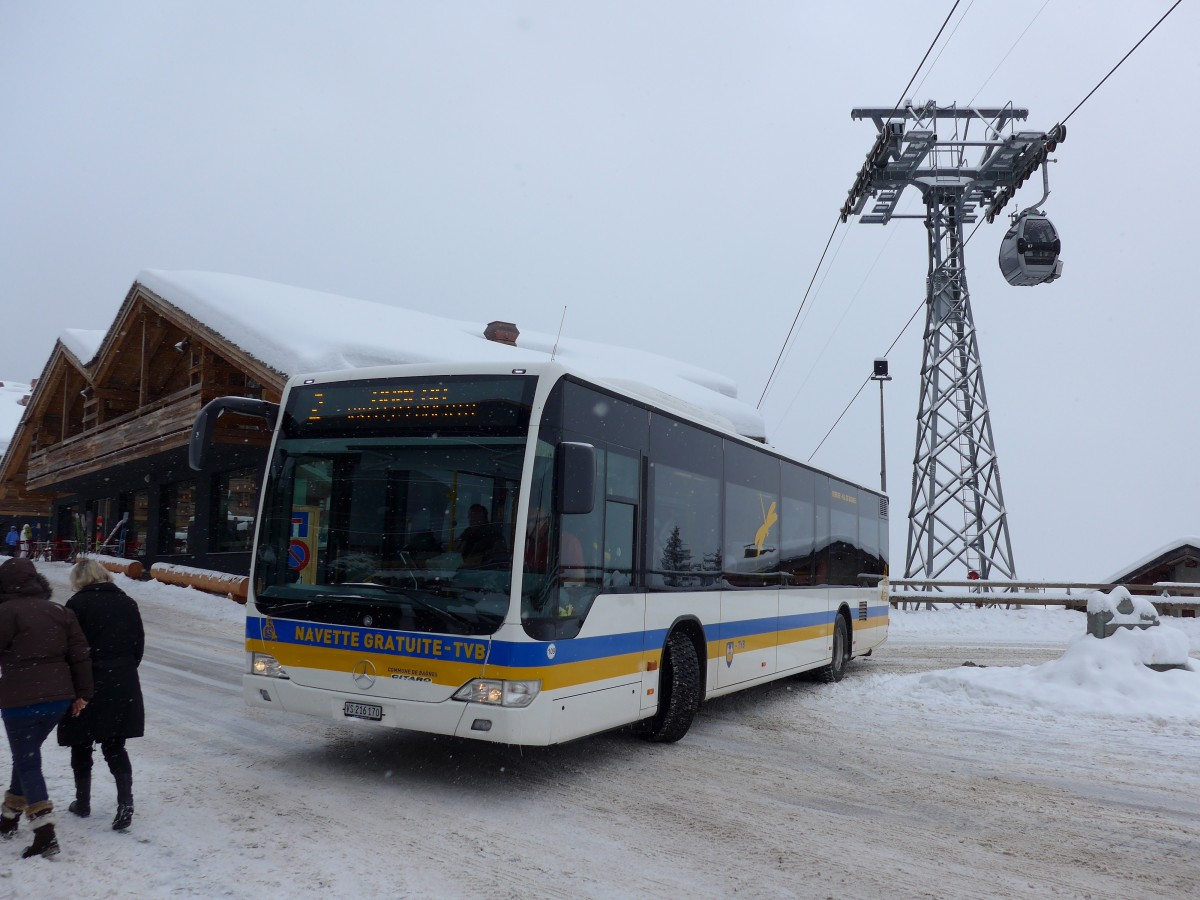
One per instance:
(391, 504)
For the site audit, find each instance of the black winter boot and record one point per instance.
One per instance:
(45, 843)
(124, 817)
(10, 815)
(124, 801)
(82, 804)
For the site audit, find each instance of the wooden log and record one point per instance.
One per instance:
(236, 587)
(131, 567)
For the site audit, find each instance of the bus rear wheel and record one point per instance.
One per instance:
(678, 692)
(836, 669)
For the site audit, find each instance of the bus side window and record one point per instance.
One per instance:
(844, 555)
(622, 493)
(870, 526)
(798, 524)
(584, 534)
(752, 512)
(618, 544)
(684, 547)
(821, 537)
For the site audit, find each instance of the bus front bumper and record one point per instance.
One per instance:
(503, 725)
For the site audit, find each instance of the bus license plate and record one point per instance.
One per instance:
(363, 711)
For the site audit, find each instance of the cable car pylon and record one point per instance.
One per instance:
(958, 523)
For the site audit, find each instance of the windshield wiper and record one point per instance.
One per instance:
(315, 600)
(360, 600)
(425, 604)
(283, 607)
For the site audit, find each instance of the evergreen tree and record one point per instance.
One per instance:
(676, 558)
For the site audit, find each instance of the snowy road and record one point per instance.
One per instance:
(876, 787)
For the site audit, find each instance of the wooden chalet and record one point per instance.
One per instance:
(20, 509)
(1172, 570)
(101, 451)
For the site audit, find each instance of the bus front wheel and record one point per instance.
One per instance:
(678, 691)
(841, 652)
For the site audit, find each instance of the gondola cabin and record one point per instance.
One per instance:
(1029, 251)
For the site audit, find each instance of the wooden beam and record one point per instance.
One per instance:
(142, 365)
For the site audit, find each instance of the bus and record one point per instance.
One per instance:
(529, 555)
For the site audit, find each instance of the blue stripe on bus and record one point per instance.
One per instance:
(523, 655)
(741, 629)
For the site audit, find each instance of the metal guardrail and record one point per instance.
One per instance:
(1033, 593)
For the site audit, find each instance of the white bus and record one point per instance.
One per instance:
(526, 556)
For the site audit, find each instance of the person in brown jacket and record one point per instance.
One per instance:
(45, 670)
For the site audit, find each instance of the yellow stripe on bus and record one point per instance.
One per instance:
(444, 672)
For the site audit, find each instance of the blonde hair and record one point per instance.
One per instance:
(87, 572)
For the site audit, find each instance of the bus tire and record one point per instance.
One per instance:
(836, 669)
(678, 691)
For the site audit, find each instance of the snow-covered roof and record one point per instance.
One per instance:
(295, 330)
(12, 394)
(1151, 557)
(83, 344)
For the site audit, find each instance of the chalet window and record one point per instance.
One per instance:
(179, 533)
(236, 502)
(139, 519)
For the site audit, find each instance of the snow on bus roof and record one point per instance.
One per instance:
(295, 330)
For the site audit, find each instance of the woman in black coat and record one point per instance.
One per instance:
(113, 626)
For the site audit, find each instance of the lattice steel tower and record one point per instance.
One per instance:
(957, 514)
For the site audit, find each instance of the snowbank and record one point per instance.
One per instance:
(1094, 676)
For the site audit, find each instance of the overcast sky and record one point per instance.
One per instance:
(668, 172)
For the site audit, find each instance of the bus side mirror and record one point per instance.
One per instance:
(206, 421)
(575, 478)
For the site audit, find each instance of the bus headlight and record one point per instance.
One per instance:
(263, 664)
(494, 692)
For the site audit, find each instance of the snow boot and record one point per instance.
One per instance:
(10, 815)
(82, 804)
(41, 819)
(124, 815)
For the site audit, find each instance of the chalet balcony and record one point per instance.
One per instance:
(152, 429)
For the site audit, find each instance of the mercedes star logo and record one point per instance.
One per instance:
(363, 674)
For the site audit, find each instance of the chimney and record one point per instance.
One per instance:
(502, 333)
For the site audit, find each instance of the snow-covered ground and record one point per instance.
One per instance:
(1053, 766)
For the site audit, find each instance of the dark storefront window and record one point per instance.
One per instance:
(65, 527)
(106, 525)
(179, 532)
(236, 502)
(139, 519)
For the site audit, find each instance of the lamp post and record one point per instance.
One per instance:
(881, 375)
